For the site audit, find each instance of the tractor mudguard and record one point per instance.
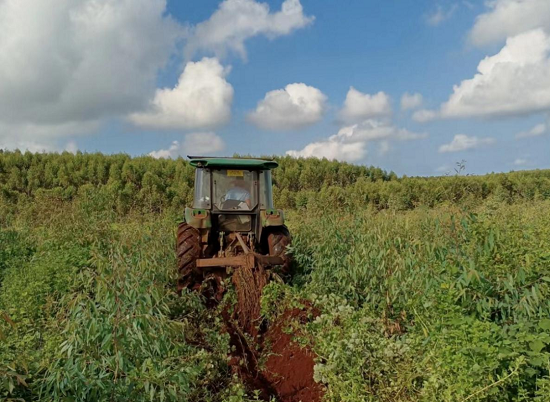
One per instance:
(272, 217)
(198, 218)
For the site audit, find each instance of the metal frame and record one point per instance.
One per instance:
(228, 157)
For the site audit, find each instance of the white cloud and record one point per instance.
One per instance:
(537, 131)
(508, 18)
(31, 146)
(201, 99)
(71, 147)
(411, 101)
(203, 143)
(521, 162)
(516, 81)
(332, 150)
(359, 106)
(80, 60)
(235, 21)
(193, 144)
(384, 148)
(462, 142)
(350, 143)
(42, 137)
(424, 115)
(295, 107)
(440, 15)
(34, 146)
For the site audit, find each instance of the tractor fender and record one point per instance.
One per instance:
(266, 231)
(272, 217)
(198, 218)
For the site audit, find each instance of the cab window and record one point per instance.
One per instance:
(202, 189)
(235, 189)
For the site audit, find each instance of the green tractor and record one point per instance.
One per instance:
(232, 223)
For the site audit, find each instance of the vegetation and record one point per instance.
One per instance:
(428, 289)
(151, 185)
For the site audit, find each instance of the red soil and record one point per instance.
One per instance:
(288, 370)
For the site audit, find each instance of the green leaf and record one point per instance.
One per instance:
(545, 324)
(537, 361)
(536, 346)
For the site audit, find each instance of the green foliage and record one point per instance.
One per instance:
(146, 184)
(359, 361)
(445, 304)
(120, 341)
(90, 311)
(427, 289)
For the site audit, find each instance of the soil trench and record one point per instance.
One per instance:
(265, 357)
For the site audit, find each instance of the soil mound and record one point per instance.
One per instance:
(264, 355)
(289, 367)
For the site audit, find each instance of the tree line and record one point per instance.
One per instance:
(144, 183)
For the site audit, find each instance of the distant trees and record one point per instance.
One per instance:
(152, 184)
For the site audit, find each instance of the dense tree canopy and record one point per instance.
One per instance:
(157, 184)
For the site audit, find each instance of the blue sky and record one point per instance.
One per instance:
(236, 58)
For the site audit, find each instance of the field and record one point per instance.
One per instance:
(425, 289)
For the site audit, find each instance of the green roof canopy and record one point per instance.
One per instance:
(225, 163)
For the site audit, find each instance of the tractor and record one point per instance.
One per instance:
(232, 224)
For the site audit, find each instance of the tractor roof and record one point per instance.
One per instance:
(223, 162)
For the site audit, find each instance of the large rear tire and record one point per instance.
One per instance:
(188, 250)
(278, 241)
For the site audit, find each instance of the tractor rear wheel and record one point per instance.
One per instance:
(277, 242)
(188, 250)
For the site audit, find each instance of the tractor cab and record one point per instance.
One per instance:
(228, 189)
(232, 214)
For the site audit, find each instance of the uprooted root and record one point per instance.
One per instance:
(249, 284)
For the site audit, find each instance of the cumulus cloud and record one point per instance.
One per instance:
(193, 144)
(235, 21)
(507, 18)
(295, 107)
(43, 137)
(201, 99)
(440, 15)
(521, 162)
(537, 131)
(350, 143)
(359, 106)
(71, 147)
(80, 60)
(411, 101)
(462, 142)
(516, 81)
(332, 150)
(30, 145)
(424, 115)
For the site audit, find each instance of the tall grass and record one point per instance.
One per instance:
(444, 304)
(433, 305)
